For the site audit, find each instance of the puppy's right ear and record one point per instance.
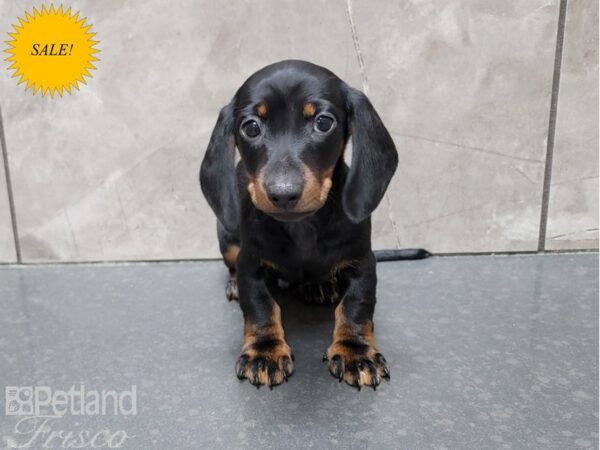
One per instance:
(217, 172)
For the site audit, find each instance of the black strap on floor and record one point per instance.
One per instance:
(401, 254)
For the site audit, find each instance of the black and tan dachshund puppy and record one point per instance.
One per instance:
(293, 211)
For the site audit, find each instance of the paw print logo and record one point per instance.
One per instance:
(19, 400)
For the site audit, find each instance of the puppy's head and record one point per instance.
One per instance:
(290, 122)
(290, 130)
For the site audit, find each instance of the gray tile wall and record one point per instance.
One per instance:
(573, 212)
(465, 88)
(110, 172)
(7, 242)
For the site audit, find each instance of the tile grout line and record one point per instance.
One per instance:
(361, 63)
(11, 201)
(143, 262)
(365, 85)
(560, 37)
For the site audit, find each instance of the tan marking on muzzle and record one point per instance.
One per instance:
(316, 189)
(258, 194)
(314, 195)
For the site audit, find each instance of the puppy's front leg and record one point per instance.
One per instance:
(266, 358)
(353, 355)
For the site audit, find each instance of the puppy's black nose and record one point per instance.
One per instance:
(284, 195)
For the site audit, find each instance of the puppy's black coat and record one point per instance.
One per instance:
(293, 211)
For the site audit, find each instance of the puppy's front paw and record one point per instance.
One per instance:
(267, 362)
(231, 291)
(357, 363)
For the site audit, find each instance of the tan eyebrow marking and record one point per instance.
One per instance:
(309, 110)
(261, 110)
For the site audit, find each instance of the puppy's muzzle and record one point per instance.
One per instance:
(284, 195)
(288, 194)
(284, 188)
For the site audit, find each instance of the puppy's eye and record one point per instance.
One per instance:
(251, 129)
(324, 123)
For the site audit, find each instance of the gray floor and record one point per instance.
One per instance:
(485, 352)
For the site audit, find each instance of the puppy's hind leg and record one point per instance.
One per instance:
(229, 244)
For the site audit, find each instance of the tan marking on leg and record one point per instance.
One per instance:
(279, 354)
(343, 330)
(230, 255)
(273, 328)
(353, 353)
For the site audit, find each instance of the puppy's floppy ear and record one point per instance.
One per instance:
(217, 172)
(374, 158)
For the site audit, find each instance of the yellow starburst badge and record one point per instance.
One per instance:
(52, 50)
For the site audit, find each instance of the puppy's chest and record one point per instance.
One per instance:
(300, 253)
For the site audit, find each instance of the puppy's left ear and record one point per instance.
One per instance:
(374, 158)
(217, 172)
